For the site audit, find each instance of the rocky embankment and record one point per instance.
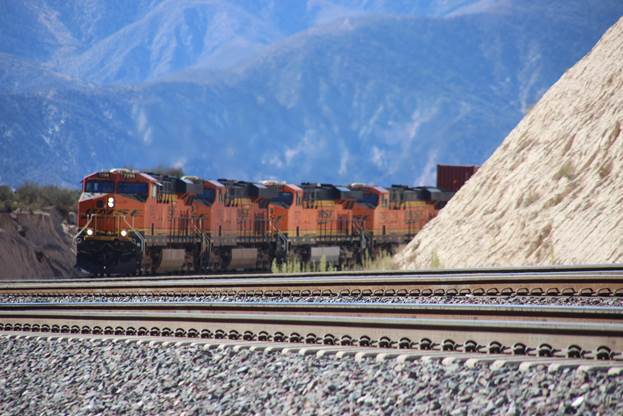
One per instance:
(35, 245)
(552, 193)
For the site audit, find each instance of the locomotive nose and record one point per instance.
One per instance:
(106, 202)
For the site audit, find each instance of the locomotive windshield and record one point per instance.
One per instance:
(102, 187)
(284, 198)
(369, 199)
(138, 190)
(206, 196)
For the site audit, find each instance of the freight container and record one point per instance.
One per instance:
(452, 177)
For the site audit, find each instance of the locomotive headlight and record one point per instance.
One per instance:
(111, 202)
(89, 231)
(124, 233)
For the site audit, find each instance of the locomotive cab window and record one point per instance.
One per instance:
(207, 196)
(285, 198)
(103, 187)
(369, 199)
(135, 189)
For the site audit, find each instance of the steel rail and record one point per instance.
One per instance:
(592, 333)
(554, 284)
(403, 310)
(594, 270)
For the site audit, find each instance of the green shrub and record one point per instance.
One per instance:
(435, 263)
(7, 198)
(567, 170)
(383, 262)
(531, 198)
(293, 265)
(323, 264)
(65, 200)
(34, 197)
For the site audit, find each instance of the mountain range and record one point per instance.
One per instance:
(323, 90)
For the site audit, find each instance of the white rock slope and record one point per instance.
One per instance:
(552, 193)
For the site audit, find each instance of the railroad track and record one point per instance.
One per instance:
(574, 332)
(563, 281)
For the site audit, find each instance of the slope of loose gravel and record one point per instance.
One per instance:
(80, 378)
(468, 299)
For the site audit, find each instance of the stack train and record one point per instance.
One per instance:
(133, 222)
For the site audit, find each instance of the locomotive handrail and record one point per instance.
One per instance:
(282, 239)
(136, 233)
(205, 240)
(90, 218)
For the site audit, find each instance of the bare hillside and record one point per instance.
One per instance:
(552, 193)
(35, 245)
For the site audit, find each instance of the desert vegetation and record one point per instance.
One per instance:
(567, 170)
(33, 197)
(382, 262)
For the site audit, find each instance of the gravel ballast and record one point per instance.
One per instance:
(80, 377)
(468, 299)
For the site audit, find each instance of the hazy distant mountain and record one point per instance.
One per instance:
(59, 135)
(21, 75)
(175, 35)
(49, 30)
(320, 90)
(120, 41)
(373, 100)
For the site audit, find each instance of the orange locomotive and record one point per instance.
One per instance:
(390, 217)
(312, 221)
(135, 222)
(131, 221)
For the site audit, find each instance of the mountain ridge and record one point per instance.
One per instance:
(371, 99)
